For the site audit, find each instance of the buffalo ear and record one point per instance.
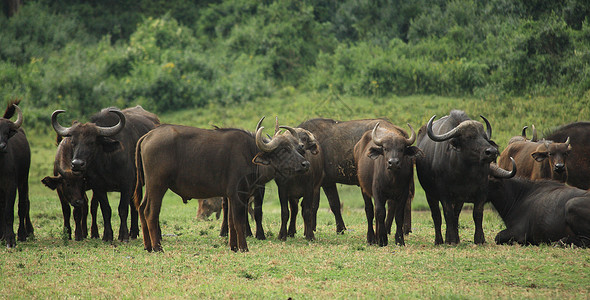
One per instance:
(261, 159)
(52, 181)
(374, 152)
(413, 151)
(455, 144)
(11, 133)
(313, 148)
(539, 156)
(110, 145)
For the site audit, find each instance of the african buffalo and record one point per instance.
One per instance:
(209, 206)
(71, 190)
(202, 163)
(454, 170)
(15, 160)
(337, 140)
(103, 152)
(538, 160)
(385, 163)
(306, 185)
(540, 211)
(578, 170)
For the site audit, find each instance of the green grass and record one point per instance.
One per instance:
(198, 264)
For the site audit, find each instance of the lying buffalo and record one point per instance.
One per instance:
(103, 153)
(385, 163)
(15, 160)
(454, 170)
(541, 211)
(202, 163)
(209, 206)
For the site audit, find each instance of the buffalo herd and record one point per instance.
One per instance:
(538, 187)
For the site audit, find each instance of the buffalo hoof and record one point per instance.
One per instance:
(340, 229)
(260, 236)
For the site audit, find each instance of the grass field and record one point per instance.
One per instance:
(197, 263)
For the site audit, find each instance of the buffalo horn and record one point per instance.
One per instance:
(501, 173)
(110, 131)
(535, 138)
(376, 140)
(277, 127)
(292, 130)
(488, 127)
(523, 134)
(19, 118)
(273, 144)
(62, 131)
(412, 138)
(259, 123)
(567, 141)
(442, 137)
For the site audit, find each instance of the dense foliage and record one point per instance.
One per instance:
(169, 55)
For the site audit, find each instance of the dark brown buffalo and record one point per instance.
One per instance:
(578, 170)
(454, 170)
(385, 163)
(537, 160)
(541, 211)
(202, 163)
(307, 185)
(337, 140)
(103, 153)
(15, 160)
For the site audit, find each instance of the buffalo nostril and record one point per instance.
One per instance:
(491, 152)
(78, 164)
(305, 164)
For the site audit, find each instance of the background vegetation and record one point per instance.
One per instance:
(228, 63)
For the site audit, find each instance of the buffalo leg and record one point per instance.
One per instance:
(93, 213)
(80, 215)
(66, 212)
(436, 218)
(309, 212)
(9, 236)
(237, 220)
(400, 211)
(577, 211)
(380, 230)
(150, 214)
(451, 212)
(224, 207)
(334, 201)
(134, 227)
(25, 227)
(408, 209)
(258, 200)
(479, 237)
(105, 208)
(505, 237)
(370, 213)
(284, 201)
(294, 210)
(123, 213)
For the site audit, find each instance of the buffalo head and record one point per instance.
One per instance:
(555, 152)
(283, 151)
(8, 128)
(88, 139)
(393, 147)
(69, 186)
(469, 139)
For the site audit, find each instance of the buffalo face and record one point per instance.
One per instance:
(8, 129)
(88, 139)
(469, 140)
(556, 153)
(69, 185)
(395, 149)
(284, 152)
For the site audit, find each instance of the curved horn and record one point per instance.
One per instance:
(110, 131)
(442, 137)
(259, 123)
(534, 138)
(567, 141)
(62, 131)
(412, 138)
(292, 130)
(19, 118)
(376, 140)
(488, 127)
(523, 134)
(273, 144)
(501, 173)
